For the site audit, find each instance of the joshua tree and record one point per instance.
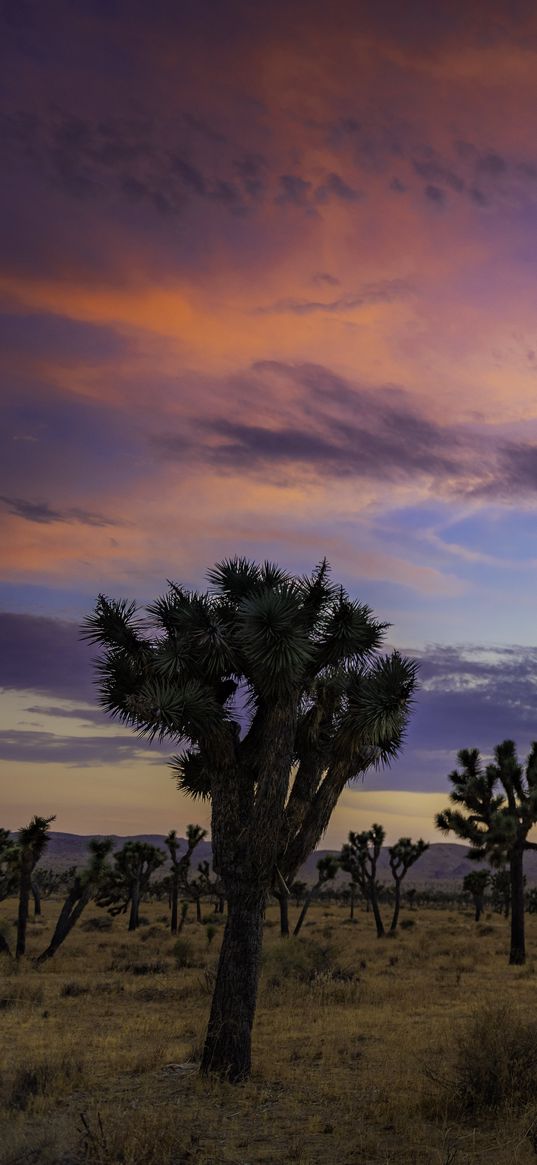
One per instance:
(402, 856)
(31, 844)
(128, 881)
(83, 888)
(9, 865)
(327, 869)
(500, 889)
(475, 884)
(181, 866)
(359, 857)
(322, 708)
(499, 807)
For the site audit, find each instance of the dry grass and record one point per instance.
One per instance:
(354, 1041)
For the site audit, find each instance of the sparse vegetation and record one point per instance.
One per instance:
(389, 1045)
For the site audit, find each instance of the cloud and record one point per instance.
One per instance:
(383, 291)
(42, 513)
(335, 187)
(46, 655)
(76, 751)
(435, 194)
(293, 191)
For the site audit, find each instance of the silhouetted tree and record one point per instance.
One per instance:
(475, 884)
(128, 881)
(500, 889)
(83, 888)
(323, 708)
(31, 843)
(403, 855)
(327, 869)
(181, 866)
(359, 858)
(498, 809)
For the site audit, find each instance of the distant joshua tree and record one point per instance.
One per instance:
(31, 844)
(475, 883)
(322, 707)
(403, 855)
(498, 809)
(327, 869)
(359, 858)
(500, 891)
(128, 881)
(181, 866)
(84, 887)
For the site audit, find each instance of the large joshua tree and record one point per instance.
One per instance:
(498, 807)
(83, 888)
(319, 707)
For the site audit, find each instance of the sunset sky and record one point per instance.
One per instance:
(268, 280)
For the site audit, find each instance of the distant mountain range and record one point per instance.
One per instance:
(443, 863)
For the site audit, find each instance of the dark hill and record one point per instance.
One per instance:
(443, 862)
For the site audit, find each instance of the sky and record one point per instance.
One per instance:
(267, 287)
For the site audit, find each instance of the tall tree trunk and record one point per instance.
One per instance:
(283, 903)
(74, 905)
(134, 918)
(396, 906)
(198, 910)
(304, 911)
(227, 1050)
(37, 898)
(174, 901)
(353, 899)
(25, 887)
(517, 954)
(478, 903)
(376, 911)
(184, 912)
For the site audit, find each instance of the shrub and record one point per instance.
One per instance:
(495, 1063)
(407, 923)
(73, 989)
(101, 922)
(298, 959)
(182, 953)
(44, 1079)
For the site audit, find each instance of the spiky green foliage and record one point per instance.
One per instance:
(498, 808)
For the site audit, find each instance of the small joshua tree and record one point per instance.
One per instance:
(500, 892)
(128, 881)
(84, 887)
(181, 866)
(327, 869)
(31, 844)
(498, 809)
(403, 855)
(359, 858)
(475, 883)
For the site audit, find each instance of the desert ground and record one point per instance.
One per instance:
(357, 1048)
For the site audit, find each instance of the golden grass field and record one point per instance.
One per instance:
(352, 1035)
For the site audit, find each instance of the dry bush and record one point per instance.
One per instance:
(494, 1063)
(298, 959)
(47, 1078)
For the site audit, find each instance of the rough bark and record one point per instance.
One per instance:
(134, 918)
(304, 911)
(37, 898)
(517, 954)
(353, 900)
(396, 906)
(174, 902)
(74, 905)
(283, 903)
(25, 888)
(227, 1050)
(376, 912)
(478, 903)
